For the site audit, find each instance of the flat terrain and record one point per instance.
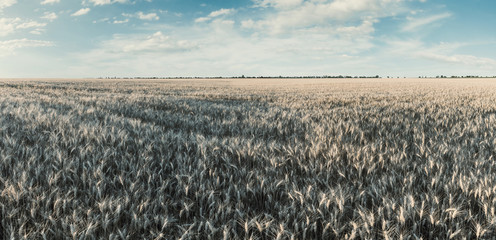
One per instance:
(248, 158)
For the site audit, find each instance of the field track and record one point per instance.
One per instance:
(248, 159)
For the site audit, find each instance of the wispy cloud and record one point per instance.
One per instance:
(442, 53)
(106, 2)
(219, 48)
(80, 12)
(45, 2)
(202, 19)
(295, 15)
(221, 12)
(143, 16)
(157, 42)
(469, 60)
(149, 16)
(8, 47)
(30, 24)
(10, 25)
(50, 16)
(6, 3)
(281, 4)
(102, 20)
(215, 14)
(416, 23)
(222, 47)
(121, 21)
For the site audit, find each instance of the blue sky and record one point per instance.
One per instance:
(129, 38)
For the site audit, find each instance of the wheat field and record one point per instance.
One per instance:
(248, 159)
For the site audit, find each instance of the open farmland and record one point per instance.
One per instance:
(248, 159)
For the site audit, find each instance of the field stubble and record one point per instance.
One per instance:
(248, 159)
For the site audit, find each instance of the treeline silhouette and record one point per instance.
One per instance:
(293, 77)
(243, 76)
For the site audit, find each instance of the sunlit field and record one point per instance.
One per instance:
(248, 159)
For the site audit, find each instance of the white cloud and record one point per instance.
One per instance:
(49, 16)
(444, 53)
(220, 48)
(136, 44)
(202, 19)
(326, 37)
(101, 20)
(294, 15)
(81, 12)
(284, 4)
(121, 21)
(9, 47)
(215, 14)
(10, 25)
(37, 31)
(221, 12)
(318, 37)
(143, 16)
(416, 23)
(6, 3)
(106, 2)
(460, 59)
(49, 2)
(30, 24)
(248, 24)
(149, 16)
(365, 28)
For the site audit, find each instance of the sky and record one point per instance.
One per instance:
(188, 38)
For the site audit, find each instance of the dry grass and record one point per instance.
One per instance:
(248, 159)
